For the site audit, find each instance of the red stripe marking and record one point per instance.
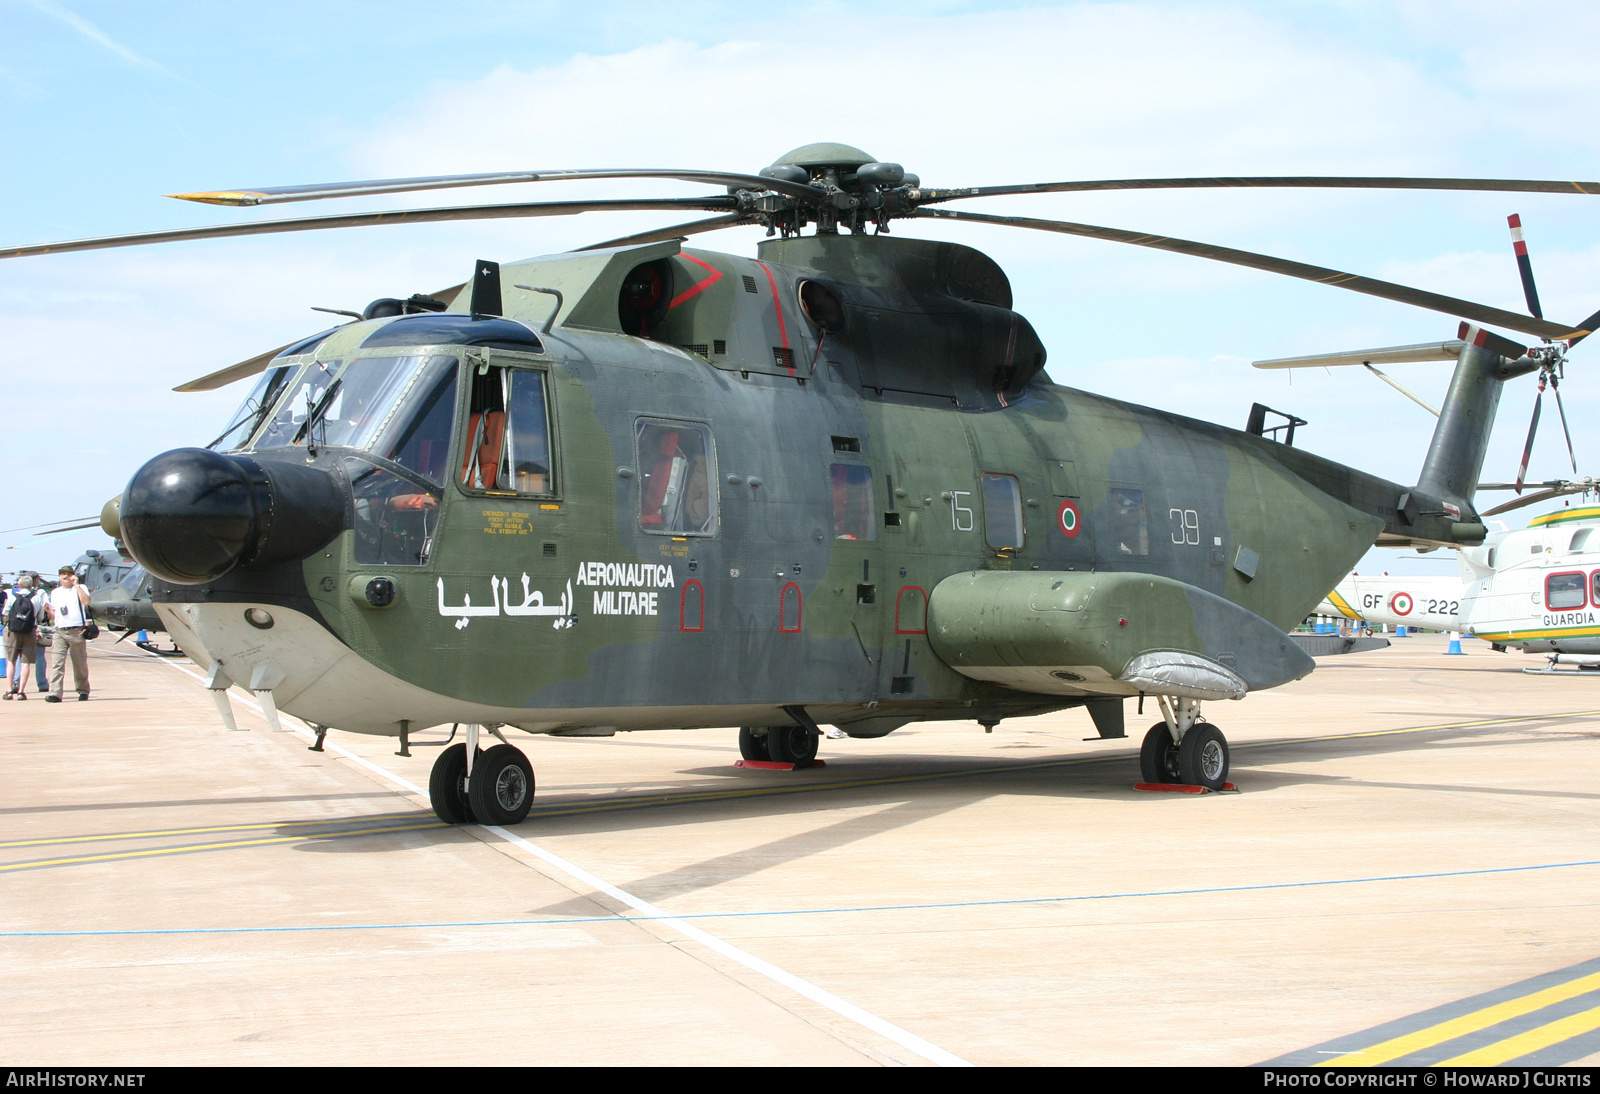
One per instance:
(783, 332)
(699, 286)
(1514, 220)
(1520, 247)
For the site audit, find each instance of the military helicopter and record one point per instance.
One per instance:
(640, 486)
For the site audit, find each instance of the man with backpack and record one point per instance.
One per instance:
(24, 613)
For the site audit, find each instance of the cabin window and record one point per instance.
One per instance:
(254, 409)
(853, 510)
(1002, 512)
(677, 465)
(507, 447)
(1129, 531)
(1594, 590)
(1563, 592)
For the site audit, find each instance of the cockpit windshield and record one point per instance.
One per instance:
(134, 581)
(377, 403)
(286, 425)
(248, 417)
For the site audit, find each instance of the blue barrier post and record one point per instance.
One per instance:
(1455, 642)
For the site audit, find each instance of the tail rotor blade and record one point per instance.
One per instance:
(1533, 428)
(1562, 410)
(1524, 267)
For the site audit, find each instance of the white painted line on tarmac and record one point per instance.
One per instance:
(888, 1030)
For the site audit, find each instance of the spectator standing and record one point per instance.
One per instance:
(68, 610)
(24, 614)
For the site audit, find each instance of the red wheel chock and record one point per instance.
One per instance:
(768, 765)
(1184, 788)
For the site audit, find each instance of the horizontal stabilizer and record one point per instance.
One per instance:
(1330, 645)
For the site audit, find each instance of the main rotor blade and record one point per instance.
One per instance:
(362, 220)
(1371, 286)
(95, 523)
(1531, 499)
(1586, 328)
(674, 231)
(225, 376)
(268, 195)
(1337, 182)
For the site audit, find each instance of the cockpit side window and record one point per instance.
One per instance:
(417, 436)
(507, 441)
(677, 467)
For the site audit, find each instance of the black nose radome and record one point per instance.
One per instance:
(192, 515)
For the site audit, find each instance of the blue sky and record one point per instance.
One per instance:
(107, 106)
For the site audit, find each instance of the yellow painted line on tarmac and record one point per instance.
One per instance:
(1416, 729)
(188, 848)
(159, 833)
(1551, 1033)
(1408, 1043)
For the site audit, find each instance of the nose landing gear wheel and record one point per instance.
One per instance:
(791, 745)
(1203, 757)
(1158, 756)
(500, 789)
(447, 785)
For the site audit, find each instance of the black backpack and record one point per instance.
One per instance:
(20, 619)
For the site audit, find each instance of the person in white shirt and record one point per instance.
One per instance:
(68, 610)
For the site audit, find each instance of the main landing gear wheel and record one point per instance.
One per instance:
(1158, 756)
(1203, 757)
(791, 745)
(447, 785)
(500, 788)
(753, 744)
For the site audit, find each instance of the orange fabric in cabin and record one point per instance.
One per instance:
(494, 431)
(650, 507)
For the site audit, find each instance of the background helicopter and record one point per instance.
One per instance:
(380, 464)
(1533, 589)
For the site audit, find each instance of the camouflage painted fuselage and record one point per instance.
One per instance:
(562, 612)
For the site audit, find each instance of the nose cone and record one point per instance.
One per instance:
(112, 603)
(189, 515)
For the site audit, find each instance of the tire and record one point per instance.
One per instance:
(447, 786)
(751, 746)
(1203, 757)
(500, 789)
(1158, 756)
(792, 745)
